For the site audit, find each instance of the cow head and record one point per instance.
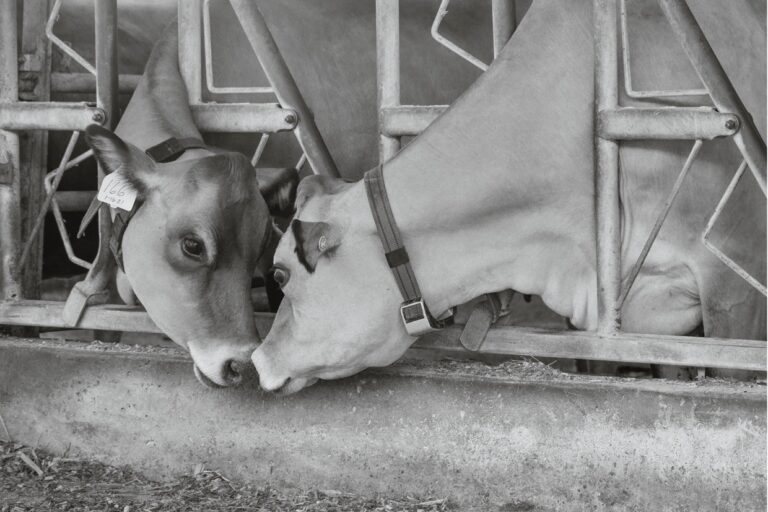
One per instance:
(340, 312)
(191, 249)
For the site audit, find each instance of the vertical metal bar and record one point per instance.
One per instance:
(10, 214)
(33, 157)
(714, 78)
(286, 90)
(607, 170)
(387, 69)
(504, 21)
(106, 60)
(102, 270)
(106, 98)
(190, 48)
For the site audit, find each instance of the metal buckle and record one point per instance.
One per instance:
(416, 318)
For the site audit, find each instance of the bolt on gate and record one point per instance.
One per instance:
(85, 307)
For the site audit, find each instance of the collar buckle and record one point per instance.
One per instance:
(419, 321)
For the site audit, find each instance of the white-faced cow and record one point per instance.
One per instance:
(202, 228)
(499, 194)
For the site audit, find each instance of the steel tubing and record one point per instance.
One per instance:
(674, 123)
(49, 116)
(503, 21)
(408, 119)
(715, 79)
(607, 171)
(387, 70)
(286, 90)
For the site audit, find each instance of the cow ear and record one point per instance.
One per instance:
(278, 188)
(113, 154)
(313, 240)
(318, 184)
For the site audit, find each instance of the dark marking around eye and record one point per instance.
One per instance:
(300, 254)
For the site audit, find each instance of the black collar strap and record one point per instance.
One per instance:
(173, 148)
(414, 312)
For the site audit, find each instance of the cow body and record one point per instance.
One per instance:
(499, 193)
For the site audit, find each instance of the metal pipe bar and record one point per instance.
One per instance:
(621, 347)
(628, 87)
(243, 117)
(503, 22)
(208, 52)
(461, 52)
(408, 119)
(49, 197)
(387, 70)
(10, 209)
(95, 286)
(49, 115)
(63, 46)
(665, 123)
(715, 79)
(74, 200)
(190, 22)
(64, 236)
(260, 149)
(35, 66)
(711, 223)
(607, 171)
(507, 340)
(82, 83)
(105, 23)
(659, 221)
(286, 90)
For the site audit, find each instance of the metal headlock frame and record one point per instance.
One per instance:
(395, 121)
(614, 123)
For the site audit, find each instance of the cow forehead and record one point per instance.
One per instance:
(231, 174)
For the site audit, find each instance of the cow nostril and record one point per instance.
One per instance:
(232, 372)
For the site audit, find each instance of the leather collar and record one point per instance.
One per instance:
(414, 312)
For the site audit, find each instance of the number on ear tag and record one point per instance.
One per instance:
(117, 192)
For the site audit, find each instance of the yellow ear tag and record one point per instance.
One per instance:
(117, 192)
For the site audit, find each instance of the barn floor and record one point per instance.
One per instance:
(516, 436)
(34, 480)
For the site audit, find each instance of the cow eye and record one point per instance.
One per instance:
(192, 247)
(280, 275)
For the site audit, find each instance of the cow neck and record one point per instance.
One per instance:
(460, 250)
(499, 194)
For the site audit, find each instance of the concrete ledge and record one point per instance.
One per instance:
(549, 443)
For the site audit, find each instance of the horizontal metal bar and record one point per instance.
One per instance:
(74, 200)
(409, 119)
(107, 317)
(716, 80)
(243, 117)
(665, 123)
(85, 83)
(625, 347)
(49, 115)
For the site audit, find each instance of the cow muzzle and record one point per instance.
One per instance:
(223, 366)
(230, 375)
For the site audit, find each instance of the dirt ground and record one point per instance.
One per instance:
(32, 480)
